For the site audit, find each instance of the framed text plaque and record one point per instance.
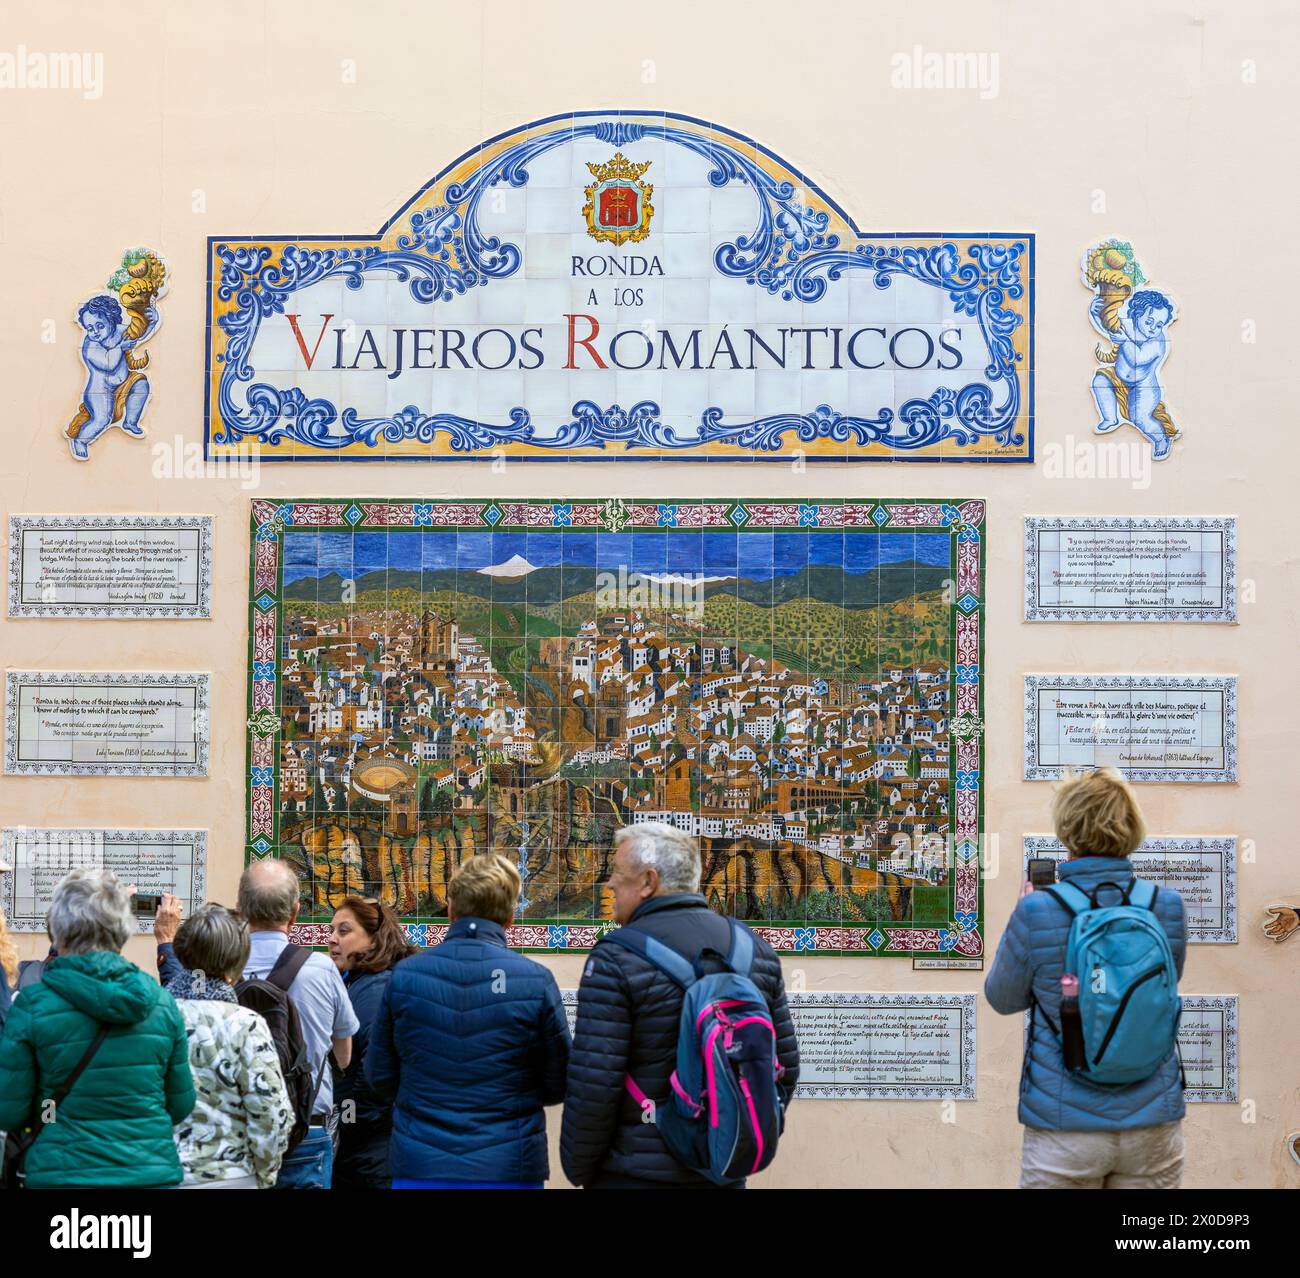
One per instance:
(1150, 727)
(621, 285)
(1116, 569)
(110, 566)
(106, 724)
(156, 861)
(1201, 869)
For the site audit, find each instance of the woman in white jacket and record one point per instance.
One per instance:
(238, 1132)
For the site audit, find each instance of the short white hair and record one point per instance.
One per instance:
(91, 910)
(655, 846)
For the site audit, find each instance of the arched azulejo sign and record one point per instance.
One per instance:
(620, 285)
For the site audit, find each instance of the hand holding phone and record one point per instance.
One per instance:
(1042, 872)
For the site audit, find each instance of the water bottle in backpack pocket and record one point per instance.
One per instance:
(725, 1112)
(1128, 1002)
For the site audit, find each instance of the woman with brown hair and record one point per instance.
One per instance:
(366, 942)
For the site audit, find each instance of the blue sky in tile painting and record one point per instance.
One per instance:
(756, 555)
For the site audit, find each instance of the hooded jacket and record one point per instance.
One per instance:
(114, 1128)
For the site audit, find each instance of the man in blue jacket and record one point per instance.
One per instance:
(1080, 1134)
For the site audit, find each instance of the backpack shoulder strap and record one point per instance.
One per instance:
(1070, 898)
(1143, 894)
(741, 957)
(285, 970)
(645, 946)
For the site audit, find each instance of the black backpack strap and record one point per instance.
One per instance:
(1035, 1006)
(1062, 899)
(285, 969)
(667, 960)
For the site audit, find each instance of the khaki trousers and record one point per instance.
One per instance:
(1140, 1158)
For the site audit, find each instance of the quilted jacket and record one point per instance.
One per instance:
(242, 1118)
(115, 1127)
(628, 1014)
(470, 1043)
(361, 1156)
(1029, 965)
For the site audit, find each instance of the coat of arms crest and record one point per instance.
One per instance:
(618, 208)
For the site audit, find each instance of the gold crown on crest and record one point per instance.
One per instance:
(619, 167)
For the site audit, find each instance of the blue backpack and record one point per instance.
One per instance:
(726, 1112)
(1128, 982)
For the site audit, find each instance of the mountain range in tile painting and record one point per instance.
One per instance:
(550, 585)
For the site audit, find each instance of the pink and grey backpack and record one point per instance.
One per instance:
(725, 1112)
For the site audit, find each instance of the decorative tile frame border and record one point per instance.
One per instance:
(1039, 845)
(89, 834)
(1226, 524)
(1227, 684)
(963, 520)
(15, 679)
(202, 609)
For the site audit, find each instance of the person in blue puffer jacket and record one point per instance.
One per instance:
(470, 1044)
(1079, 1134)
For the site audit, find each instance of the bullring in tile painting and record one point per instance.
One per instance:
(797, 684)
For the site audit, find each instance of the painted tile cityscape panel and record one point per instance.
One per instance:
(799, 684)
(621, 285)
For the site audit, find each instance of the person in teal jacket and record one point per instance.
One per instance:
(1079, 1134)
(114, 1128)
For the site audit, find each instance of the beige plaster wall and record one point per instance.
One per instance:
(235, 118)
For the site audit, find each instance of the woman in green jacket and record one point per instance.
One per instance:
(114, 1128)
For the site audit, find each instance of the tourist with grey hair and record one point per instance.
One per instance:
(94, 1062)
(629, 1011)
(239, 1130)
(268, 900)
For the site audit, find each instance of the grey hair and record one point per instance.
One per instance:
(213, 940)
(655, 846)
(268, 893)
(91, 910)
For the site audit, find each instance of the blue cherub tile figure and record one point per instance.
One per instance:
(1126, 385)
(117, 389)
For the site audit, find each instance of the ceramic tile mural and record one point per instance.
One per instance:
(621, 285)
(797, 683)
